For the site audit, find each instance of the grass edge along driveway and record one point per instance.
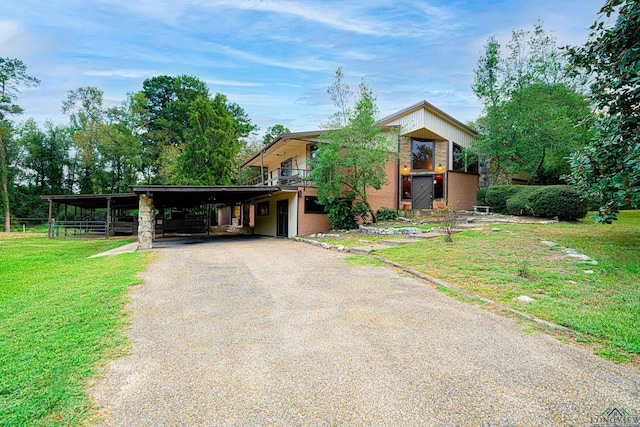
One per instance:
(62, 319)
(502, 262)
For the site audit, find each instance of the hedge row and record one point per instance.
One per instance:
(551, 201)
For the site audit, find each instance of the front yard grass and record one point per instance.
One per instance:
(601, 302)
(61, 318)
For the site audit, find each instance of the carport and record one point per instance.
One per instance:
(152, 197)
(91, 214)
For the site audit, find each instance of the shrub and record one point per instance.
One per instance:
(480, 197)
(361, 210)
(497, 196)
(562, 201)
(386, 214)
(519, 203)
(341, 216)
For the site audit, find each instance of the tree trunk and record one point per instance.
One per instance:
(5, 189)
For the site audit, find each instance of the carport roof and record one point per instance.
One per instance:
(194, 195)
(96, 201)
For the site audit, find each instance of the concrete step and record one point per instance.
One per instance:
(396, 242)
(421, 236)
(361, 250)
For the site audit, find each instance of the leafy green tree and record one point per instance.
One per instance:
(273, 132)
(607, 169)
(534, 131)
(170, 103)
(212, 147)
(352, 154)
(167, 103)
(534, 114)
(47, 157)
(107, 141)
(13, 75)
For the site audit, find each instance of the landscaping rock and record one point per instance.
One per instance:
(388, 231)
(525, 299)
(571, 253)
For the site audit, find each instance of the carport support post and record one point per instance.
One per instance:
(146, 222)
(108, 227)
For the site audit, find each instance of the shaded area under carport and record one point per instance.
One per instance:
(146, 199)
(187, 196)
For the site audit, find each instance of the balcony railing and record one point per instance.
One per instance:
(282, 178)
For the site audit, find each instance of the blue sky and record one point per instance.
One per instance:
(274, 58)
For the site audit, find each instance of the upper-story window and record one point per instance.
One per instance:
(422, 153)
(285, 167)
(313, 155)
(463, 161)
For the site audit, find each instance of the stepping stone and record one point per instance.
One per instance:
(398, 242)
(417, 236)
(361, 250)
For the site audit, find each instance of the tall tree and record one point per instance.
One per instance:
(107, 140)
(352, 154)
(273, 132)
(607, 169)
(47, 157)
(13, 75)
(533, 111)
(168, 100)
(209, 155)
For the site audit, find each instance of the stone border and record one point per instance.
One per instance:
(339, 248)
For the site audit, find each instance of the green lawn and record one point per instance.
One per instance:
(61, 319)
(509, 261)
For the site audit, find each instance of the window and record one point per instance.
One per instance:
(422, 155)
(263, 209)
(313, 154)
(463, 161)
(285, 167)
(311, 205)
(458, 158)
(406, 188)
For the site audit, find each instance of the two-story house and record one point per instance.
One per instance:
(428, 165)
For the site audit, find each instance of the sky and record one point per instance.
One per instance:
(276, 59)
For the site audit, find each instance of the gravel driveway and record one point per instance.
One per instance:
(259, 331)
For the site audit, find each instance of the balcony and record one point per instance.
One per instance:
(282, 178)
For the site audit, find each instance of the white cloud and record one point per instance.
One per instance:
(305, 64)
(222, 82)
(331, 16)
(126, 74)
(9, 29)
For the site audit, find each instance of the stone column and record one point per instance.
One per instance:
(146, 223)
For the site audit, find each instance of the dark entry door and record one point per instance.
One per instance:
(422, 192)
(282, 213)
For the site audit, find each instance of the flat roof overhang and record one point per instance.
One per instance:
(195, 195)
(96, 201)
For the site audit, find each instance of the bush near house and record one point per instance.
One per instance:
(562, 201)
(497, 196)
(519, 204)
(481, 197)
(386, 214)
(551, 201)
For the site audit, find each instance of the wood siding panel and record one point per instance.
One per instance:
(462, 189)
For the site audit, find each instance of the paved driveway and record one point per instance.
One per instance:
(251, 332)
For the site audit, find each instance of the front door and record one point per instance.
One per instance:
(422, 192)
(282, 214)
